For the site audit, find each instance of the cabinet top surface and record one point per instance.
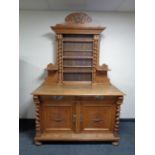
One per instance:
(78, 90)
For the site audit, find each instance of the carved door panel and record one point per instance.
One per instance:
(58, 117)
(97, 116)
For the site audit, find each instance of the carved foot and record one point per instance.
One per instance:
(116, 143)
(38, 142)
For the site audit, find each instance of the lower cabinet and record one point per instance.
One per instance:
(76, 118)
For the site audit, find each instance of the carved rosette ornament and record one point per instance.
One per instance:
(117, 116)
(37, 121)
(78, 18)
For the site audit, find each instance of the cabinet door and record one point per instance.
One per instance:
(97, 116)
(58, 116)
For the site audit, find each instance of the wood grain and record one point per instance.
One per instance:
(78, 90)
(77, 101)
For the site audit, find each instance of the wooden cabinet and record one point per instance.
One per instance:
(74, 115)
(77, 101)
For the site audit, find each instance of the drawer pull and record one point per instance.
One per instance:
(97, 120)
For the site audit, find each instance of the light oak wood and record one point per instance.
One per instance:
(78, 90)
(77, 101)
(77, 137)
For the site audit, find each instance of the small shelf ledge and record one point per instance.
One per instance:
(51, 67)
(102, 68)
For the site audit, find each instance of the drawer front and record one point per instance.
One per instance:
(56, 99)
(58, 116)
(105, 99)
(97, 116)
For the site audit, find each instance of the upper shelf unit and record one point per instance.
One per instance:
(78, 41)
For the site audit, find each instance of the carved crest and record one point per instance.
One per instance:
(78, 18)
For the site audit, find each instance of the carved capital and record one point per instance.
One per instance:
(120, 100)
(59, 37)
(96, 37)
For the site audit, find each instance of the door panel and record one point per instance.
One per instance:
(58, 117)
(97, 116)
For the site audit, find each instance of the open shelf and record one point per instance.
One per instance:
(77, 57)
(77, 71)
(74, 76)
(78, 39)
(78, 54)
(77, 50)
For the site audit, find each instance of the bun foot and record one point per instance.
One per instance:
(115, 143)
(38, 142)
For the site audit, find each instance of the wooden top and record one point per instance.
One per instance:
(78, 90)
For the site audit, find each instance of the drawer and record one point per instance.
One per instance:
(82, 99)
(103, 99)
(55, 99)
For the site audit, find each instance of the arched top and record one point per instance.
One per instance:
(78, 18)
